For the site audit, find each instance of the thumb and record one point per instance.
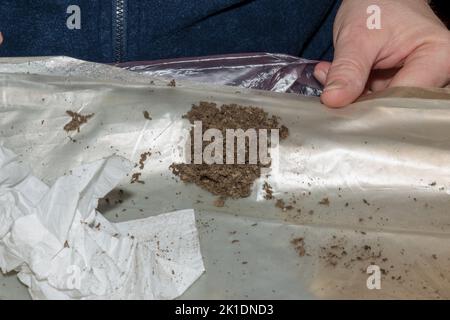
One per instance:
(1, 38)
(349, 71)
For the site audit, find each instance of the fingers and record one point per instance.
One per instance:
(321, 71)
(425, 67)
(381, 79)
(422, 69)
(1, 38)
(378, 79)
(347, 77)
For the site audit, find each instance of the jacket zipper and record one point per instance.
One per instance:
(119, 30)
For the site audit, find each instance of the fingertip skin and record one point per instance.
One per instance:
(337, 98)
(323, 65)
(321, 71)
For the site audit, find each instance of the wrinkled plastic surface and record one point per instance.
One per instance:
(264, 71)
(382, 164)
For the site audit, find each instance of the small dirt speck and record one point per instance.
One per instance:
(77, 121)
(147, 115)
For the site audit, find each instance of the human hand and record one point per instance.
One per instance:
(412, 48)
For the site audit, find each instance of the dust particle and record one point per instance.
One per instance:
(76, 121)
(143, 158)
(325, 202)
(268, 190)
(135, 178)
(280, 204)
(299, 245)
(219, 202)
(147, 115)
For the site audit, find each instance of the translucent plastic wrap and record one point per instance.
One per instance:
(369, 184)
(264, 71)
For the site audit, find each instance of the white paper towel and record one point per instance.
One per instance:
(62, 248)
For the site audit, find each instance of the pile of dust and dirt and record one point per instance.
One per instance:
(227, 180)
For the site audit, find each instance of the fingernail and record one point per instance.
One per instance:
(321, 76)
(335, 85)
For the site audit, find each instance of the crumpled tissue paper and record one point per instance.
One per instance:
(62, 248)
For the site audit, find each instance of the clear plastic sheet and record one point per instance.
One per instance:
(383, 164)
(264, 71)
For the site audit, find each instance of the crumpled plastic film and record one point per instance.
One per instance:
(264, 71)
(368, 184)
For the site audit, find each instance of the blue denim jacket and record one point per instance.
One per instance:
(126, 30)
